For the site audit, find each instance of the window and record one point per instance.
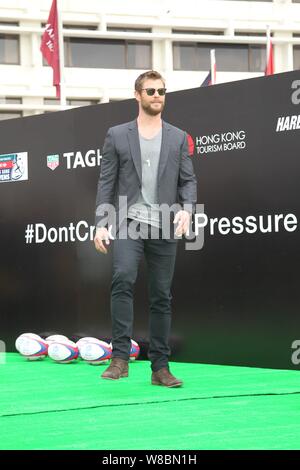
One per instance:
(81, 102)
(257, 52)
(296, 53)
(51, 101)
(70, 102)
(9, 46)
(108, 53)
(193, 31)
(4, 100)
(10, 114)
(69, 26)
(80, 26)
(229, 57)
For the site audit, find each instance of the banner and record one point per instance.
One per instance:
(235, 291)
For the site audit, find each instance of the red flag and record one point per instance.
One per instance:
(269, 70)
(191, 145)
(50, 46)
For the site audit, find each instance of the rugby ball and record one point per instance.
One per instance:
(21, 338)
(31, 346)
(52, 338)
(95, 352)
(134, 350)
(63, 351)
(84, 340)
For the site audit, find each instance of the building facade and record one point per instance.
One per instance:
(108, 43)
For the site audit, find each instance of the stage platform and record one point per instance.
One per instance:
(44, 405)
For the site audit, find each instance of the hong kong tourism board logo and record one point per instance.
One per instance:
(220, 142)
(13, 167)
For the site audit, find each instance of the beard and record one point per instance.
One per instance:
(151, 111)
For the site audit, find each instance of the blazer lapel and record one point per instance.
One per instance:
(165, 147)
(134, 144)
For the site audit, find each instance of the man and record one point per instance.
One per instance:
(147, 162)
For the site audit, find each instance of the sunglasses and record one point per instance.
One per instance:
(151, 91)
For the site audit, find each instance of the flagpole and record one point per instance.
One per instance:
(212, 66)
(61, 55)
(268, 45)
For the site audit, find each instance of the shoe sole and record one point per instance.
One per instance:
(168, 386)
(112, 378)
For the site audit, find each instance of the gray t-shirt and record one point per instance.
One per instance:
(146, 208)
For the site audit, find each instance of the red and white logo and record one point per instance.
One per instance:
(52, 161)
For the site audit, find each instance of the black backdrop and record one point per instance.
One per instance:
(235, 301)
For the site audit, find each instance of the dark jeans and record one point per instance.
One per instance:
(160, 256)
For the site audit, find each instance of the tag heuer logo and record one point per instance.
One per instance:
(52, 161)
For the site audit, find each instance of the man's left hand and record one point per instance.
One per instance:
(183, 219)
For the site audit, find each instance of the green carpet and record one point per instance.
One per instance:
(44, 405)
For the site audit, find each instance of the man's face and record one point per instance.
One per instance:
(152, 105)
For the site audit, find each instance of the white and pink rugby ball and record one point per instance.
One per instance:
(53, 338)
(84, 340)
(31, 346)
(94, 351)
(63, 351)
(134, 350)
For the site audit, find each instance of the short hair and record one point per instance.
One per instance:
(151, 74)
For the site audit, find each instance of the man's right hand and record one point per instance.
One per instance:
(102, 235)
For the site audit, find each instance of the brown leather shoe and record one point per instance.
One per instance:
(118, 368)
(164, 377)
